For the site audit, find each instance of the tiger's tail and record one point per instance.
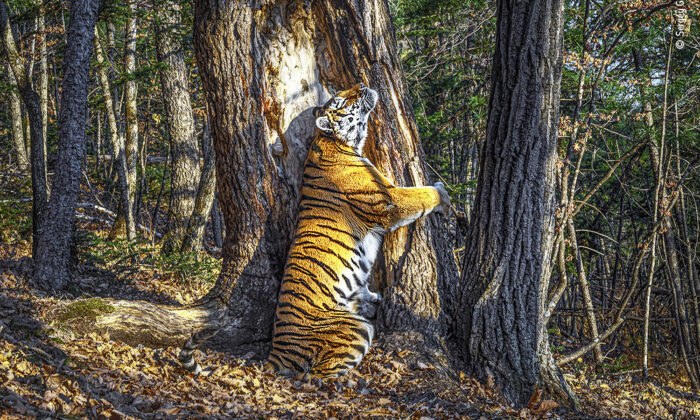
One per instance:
(186, 359)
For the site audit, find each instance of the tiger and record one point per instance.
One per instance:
(323, 319)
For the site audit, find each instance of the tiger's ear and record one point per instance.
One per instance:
(317, 111)
(324, 124)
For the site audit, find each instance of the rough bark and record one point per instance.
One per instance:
(498, 329)
(121, 227)
(126, 224)
(43, 72)
(357, 43)
(264, 67)
(17, 131)
(247, 181)
(33, 108)
(178, 112)
(52, 257)
(205, 197)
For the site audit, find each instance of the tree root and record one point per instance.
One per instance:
(152, 325)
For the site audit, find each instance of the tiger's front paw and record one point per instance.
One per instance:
(445, 203)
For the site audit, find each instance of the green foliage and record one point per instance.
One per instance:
(192, 267)
(15, 220)
(619, 364)
(445, 47)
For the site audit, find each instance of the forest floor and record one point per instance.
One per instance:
(50, 369)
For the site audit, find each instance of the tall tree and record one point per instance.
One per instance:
(261, 118)
(205, 197)
(43, 70)
(17, 129)
(32, 104)
(131, 143)
(498, 331)
(178, 111)
(125, 218)
(358, 37)
(52, 259)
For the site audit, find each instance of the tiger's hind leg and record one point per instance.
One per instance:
(274, 365)
(367, 303)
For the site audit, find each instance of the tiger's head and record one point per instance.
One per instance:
(345, 115)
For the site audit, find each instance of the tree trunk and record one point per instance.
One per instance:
(17, 131)
(125, 224)
(132, 120)
(216, 221)
(178, 111)
(260, 92)
(498, 313)
(205, 197)
(43, 72)
(52, 258)
(32, 105)
(257, 211)
(357, 38)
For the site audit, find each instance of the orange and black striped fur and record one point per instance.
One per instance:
(322, 323)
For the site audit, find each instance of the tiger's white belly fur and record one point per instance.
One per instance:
(353, 287)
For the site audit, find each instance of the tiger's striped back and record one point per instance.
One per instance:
(322, 321)
(323, 318)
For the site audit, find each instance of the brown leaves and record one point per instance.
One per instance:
(538, 407)
(94, 376)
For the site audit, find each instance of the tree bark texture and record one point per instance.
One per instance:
(247, 181)
(17, 131)
(178, 111)
(498, 314)
(205, 197)
(131, 111)
(52, 258)
(356, 43)
(124, 223)
(264, 67)
(33, 108)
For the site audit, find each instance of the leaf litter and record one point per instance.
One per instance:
(47, 370)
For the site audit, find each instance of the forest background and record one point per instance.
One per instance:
(624, 298)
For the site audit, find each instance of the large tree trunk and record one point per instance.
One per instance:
(264, 67)
(52, 258)
(32, 105)
(357, 40)
(178, 111)
(499, 307)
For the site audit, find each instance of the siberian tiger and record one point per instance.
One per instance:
(323, 318)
